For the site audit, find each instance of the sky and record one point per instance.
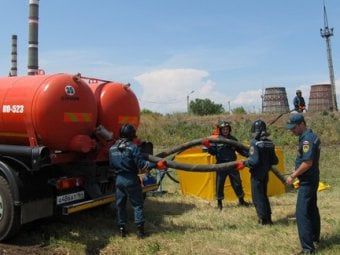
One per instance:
(174, 50)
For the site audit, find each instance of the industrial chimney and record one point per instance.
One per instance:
(14, 68)
(33, 66)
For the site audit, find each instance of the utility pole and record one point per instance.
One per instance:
(326, 33)
(188, 101)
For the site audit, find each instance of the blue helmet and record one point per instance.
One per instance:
(259, 128)
(127, 131)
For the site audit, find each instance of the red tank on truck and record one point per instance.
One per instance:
(55, 135)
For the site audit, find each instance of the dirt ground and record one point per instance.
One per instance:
(15, 249)
(24, 243)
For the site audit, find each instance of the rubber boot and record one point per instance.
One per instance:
(270, 222)
(241, 202)
(122, 231)
(219, 204)
(263, 221)
(266, 221)
(140, 231)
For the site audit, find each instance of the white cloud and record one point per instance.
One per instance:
(166, 90)
(250, 100)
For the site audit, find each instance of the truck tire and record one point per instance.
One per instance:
(9, 214)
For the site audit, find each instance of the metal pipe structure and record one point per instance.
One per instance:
(14, 65)
(327, 33)
(33, 66)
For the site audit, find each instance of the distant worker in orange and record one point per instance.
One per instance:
(299, 102)
(226, 153)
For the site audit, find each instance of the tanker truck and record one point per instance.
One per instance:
(55, 133)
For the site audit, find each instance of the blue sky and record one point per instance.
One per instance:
(223, 50)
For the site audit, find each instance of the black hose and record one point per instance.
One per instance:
(271, 123)
(171, 177)
(278, 174)
(194, 168)
(169, 174)
(205, 168)
(187, 145)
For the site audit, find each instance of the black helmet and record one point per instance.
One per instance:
(259, 128)
(224, 123)
(127, 131)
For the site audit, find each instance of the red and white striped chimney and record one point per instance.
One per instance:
(33, 66)
(14, 67)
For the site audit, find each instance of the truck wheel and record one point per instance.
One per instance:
(9, 214)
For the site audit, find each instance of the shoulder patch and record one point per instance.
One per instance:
(251, 150)
(305, 148)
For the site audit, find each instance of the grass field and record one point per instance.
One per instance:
(179, 224)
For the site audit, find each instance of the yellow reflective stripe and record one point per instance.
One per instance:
(13, 134)
(122, 119)
(127, 119)
(86, 117)
(90, 204)
(69, 117)
(150, 188)
(77, 117)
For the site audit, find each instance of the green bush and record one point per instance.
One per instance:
(205, 107)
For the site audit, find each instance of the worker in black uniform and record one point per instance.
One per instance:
(307, 171)
(126, 160)
(299, 102)
(261, 157)
(226, 153)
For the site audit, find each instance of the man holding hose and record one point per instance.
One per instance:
(307, 171)
(226, 153)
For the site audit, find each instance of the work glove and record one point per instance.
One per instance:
(206, 143)
(301, 108)
(239, 165)
(296, 184)
(161, 165)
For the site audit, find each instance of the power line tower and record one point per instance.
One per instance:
(327, 32)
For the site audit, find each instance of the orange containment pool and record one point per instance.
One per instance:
(203, 185)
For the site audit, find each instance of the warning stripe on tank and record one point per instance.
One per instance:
(13, 134)
(128, 119)
(77, 117)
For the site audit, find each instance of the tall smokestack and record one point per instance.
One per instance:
(14, 68)
(33, 66)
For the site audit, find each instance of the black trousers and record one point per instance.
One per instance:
(307, 215)
(235, 181)
(259, 195)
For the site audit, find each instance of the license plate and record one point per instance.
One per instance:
(70, 197)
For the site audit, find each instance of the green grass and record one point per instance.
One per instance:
(188, 225)
(180, 224)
